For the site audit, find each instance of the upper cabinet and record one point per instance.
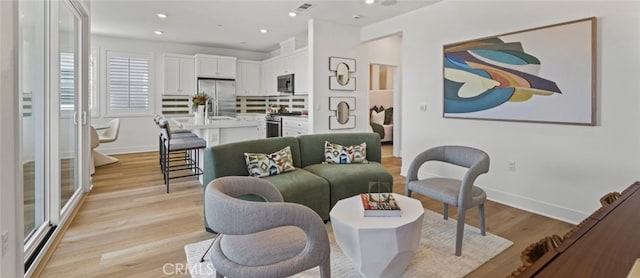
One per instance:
(215, 66)
(295, 63)
(283, 65)
(268, 79)
(301, 62)
(248, 78)
(179, 74)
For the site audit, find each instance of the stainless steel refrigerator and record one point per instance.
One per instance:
(222, 96)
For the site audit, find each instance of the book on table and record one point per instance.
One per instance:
(380, 205)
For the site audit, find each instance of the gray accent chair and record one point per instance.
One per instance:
(460, 193)
(263, 239)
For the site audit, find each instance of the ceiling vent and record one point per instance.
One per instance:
(302, 8)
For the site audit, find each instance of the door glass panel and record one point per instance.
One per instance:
(68, 127)
(32, 69)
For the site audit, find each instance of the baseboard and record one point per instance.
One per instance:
(527, 204)
(536, 206)
(124, 150)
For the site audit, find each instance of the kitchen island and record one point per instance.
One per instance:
(221, 129)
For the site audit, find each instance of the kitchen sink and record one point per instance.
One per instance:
(222, 118)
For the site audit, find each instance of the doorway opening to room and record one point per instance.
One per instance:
(385, 91)
(381, 104)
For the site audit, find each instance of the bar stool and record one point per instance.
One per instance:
(176, 133)
(185, 150)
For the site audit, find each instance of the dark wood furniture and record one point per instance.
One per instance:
(606, 245)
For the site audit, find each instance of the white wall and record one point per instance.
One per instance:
(562, 170)
(327, 39)
(138, 133)
(10, 209)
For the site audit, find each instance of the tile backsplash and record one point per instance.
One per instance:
(179, 105)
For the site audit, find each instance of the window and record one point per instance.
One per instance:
(128, 83)
(67, 82)
(93, 82)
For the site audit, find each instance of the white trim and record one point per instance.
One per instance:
(10, 258)
(535, 206)
(527, 204)
(127, 150)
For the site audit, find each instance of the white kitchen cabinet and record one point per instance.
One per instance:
(268, 79)
(301, 85)
(294, 126)
(215, 66)
(248, 78)
(262, 126)
(179, 75)
(284, 65)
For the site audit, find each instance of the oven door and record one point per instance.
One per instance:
(274, 129)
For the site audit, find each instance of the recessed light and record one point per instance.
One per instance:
(161, 15)
(264, 31)
(369, 1)
(356, 16)
(157, 32)
(292, 14)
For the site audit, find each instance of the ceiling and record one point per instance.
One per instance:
(233, 24)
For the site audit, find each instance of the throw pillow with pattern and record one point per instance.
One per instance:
(263, 165)
(336, 153)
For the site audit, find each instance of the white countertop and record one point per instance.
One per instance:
(190, 123)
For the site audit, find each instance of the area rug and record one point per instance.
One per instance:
(435, 256)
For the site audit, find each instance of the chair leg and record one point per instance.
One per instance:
(446, 211)
(325, 269)
(460, 231)
(483, 228)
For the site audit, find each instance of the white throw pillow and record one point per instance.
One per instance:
(377, 117)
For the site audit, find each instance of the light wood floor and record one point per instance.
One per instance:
(128, 227)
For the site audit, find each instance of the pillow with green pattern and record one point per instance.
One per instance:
(263, 165)
(338, 154)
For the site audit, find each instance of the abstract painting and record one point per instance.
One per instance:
(545, 74)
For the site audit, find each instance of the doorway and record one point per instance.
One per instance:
(381, 103)
(385, 89)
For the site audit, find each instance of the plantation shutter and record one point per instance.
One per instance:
(128, 82)
(67, 82)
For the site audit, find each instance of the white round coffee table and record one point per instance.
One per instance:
(378, 246)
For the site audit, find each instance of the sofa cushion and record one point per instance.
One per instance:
(264, 248)
(312, 145)
(336, 153)
(264, 165)
(347, 180)
(302, 187)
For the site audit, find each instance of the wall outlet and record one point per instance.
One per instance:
(512, 166)
(5, 242)
(423, 107)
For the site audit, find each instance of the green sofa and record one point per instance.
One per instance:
(313, 184)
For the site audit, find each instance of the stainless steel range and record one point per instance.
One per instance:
(274, 123)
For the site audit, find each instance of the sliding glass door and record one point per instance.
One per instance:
(68, 104)
(52, 126)
(32, 88)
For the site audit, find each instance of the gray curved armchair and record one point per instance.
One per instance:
(262, 239)
(460, 193)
